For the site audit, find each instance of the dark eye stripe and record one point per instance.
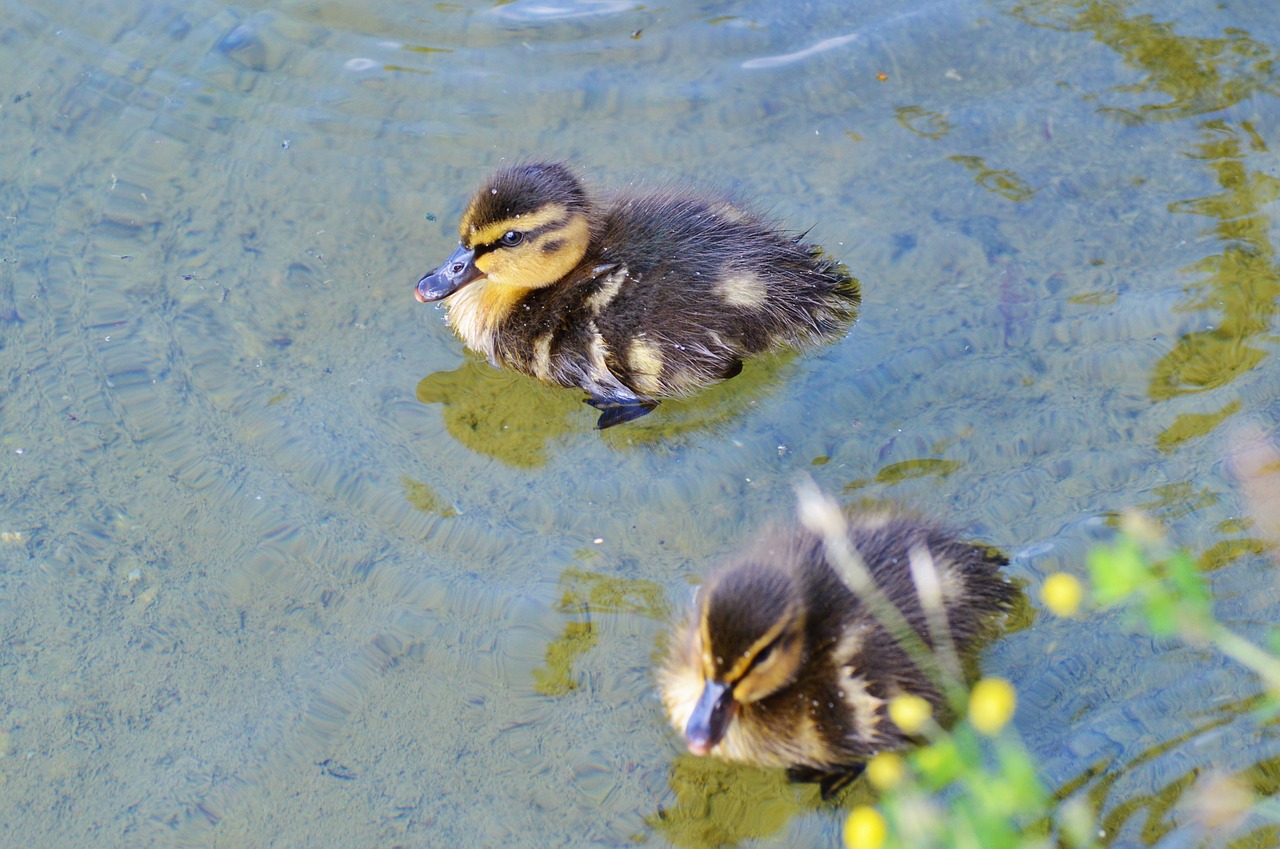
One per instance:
(778, 643)
(528, 235)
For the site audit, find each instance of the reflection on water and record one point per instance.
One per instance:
(583, 594)
(427, 606)
(504, 415)
(1164, 809)
(1241, 283)
(514, 418)
(1002, 182)
(906, 470)
(1255, 464)
(533, 11)
(423, 497)
(924, 123)
(715, 804)
(1234, 286)
(1198, 76)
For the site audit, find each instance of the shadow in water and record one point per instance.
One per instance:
(717, 804)
(1238, 286)
(583, 593)
(1186, 77)
(516, 419)
(1175, 804)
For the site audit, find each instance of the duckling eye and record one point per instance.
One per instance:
(783, 642)
(764, 654)
(511, 238)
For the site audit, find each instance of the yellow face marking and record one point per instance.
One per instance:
(742, 290)
(496, 301)
(475, 310)
(645, 360)
(539, 260)
(468, 319)
(739, 668)
(682, 679)
(778, 669)
(704, 648)
(487, 235)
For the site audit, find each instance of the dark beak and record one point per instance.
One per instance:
(457, 271)
(710, 719)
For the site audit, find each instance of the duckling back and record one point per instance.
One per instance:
(708, 284)
(799, 676)
(644, 296)
(973, 588)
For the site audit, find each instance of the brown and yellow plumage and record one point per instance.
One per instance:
(638, 298)
(782, 665)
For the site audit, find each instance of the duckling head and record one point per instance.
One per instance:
(750, 642)
(527, 227)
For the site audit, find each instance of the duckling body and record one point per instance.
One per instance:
(781, 664)
(639, 298)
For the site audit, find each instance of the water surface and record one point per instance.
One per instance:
(281, 565)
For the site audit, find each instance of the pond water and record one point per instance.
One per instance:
(281, 565)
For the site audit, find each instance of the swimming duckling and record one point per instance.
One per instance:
(638, 298)
(782, 665)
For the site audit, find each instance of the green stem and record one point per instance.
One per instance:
(1241, 650)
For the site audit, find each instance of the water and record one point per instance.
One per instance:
(281, 565)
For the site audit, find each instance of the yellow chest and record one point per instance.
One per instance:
(476, 312)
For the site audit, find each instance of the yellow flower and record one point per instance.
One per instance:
(864, 829)
(885, 770)
(1061, 593)
(991, 705)
(910, 713)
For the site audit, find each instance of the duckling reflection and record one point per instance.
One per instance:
(497, 413)
(519, 421)
(782, 665)
(642, 297)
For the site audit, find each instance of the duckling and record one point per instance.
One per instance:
(782, 665)
(632, 299)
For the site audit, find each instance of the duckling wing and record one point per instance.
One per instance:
(703, 284)
(584, 358)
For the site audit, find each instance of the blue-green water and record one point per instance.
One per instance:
(281, 566)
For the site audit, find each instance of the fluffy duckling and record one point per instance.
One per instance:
(633, 299)
(782, 665)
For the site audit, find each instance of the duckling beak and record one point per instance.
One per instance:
(710, 718)
(457, 271)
